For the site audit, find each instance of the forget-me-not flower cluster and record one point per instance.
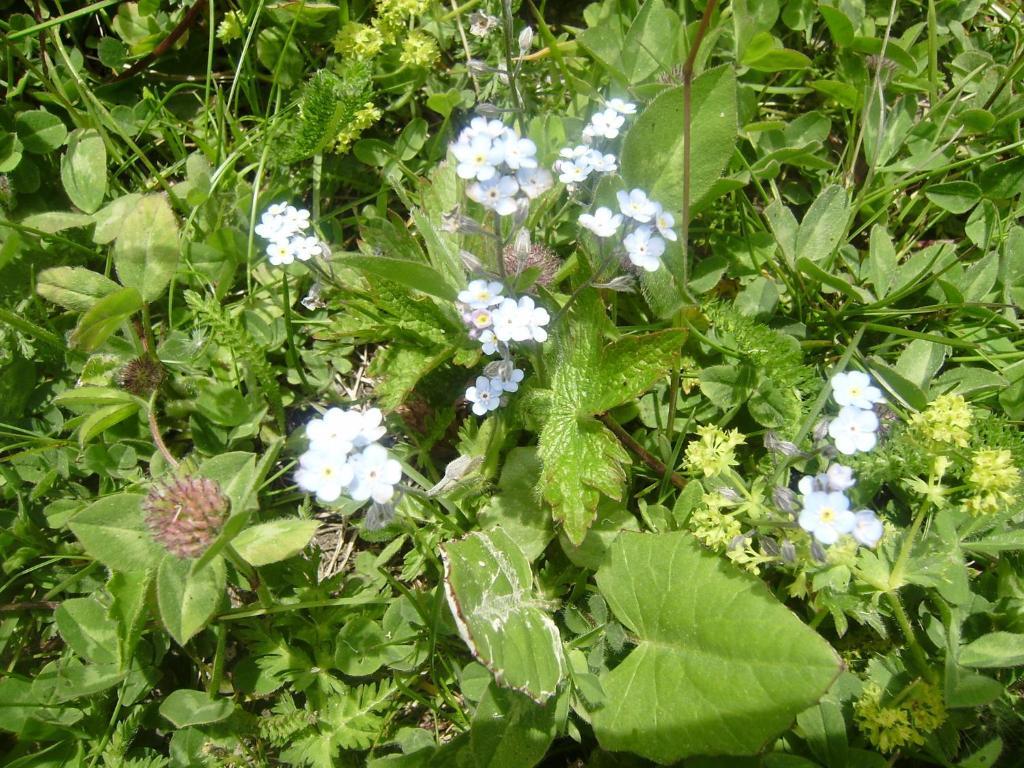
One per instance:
(500, 165)
(496, 321)
(283, 227)
(345, 458)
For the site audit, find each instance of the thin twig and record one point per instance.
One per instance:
(154, 430)
(644, 455)
(164, 45)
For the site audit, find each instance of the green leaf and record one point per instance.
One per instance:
(411, 274)
(102, 419)
(649, 45)
(582, 459)
(882, 260)
(361, 648)
(652, 152)
(52, 222)
(996, 649)
(489, 586)
(764, 53)
(87, 628)
(188, 600)
(129, 590)
(83, 169)
(823, 226)
(920, 361)
(146, 249)
(105, 317)
(954, 196)
(517, 507)
(274, 541)
(721, 667)
(39, 131)
(74, 288)
(184, 708)
(112, 530)
(509, 730)
(83, 397)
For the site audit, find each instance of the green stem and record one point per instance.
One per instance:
(917, 653)
(896, 575)
(292, 352)
(251, 575)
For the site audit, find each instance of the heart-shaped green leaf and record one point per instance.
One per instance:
(720, 667)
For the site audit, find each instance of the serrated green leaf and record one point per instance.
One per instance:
(721, 667)
(489, 586)
(582, 459)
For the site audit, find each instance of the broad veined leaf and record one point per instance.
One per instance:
(274, 541)
(75, 288)
(83, 169)
(188, 599)
(146, 249)
(489, 586)
(652, 153)
(582, 459)
(411, 274)
(105, 317)
(720, 667)
(88, 629)
(113, 531)
(185, 707)
(511, 731)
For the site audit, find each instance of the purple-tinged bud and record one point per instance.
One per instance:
(788, 551)
(776, 444)
(785, 500)
(820, 431)
(185, 514)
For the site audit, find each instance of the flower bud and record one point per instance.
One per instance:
(776, 444)
(525, 40)
(185, 514)
(619, 284)
(788, 551)
(472, 264)
(820, 431)
(785, 500)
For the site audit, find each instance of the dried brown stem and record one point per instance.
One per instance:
(642, 453)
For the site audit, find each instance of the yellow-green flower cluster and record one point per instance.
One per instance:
(947, 420)
(358, 41)
(712, 527)
(993, 479)
(714, 452)
(419, 50)
(362, 120)
(905, 721)
(230, 27)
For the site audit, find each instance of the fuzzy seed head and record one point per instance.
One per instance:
(185, 514)
(141, 376)
(536, 256)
